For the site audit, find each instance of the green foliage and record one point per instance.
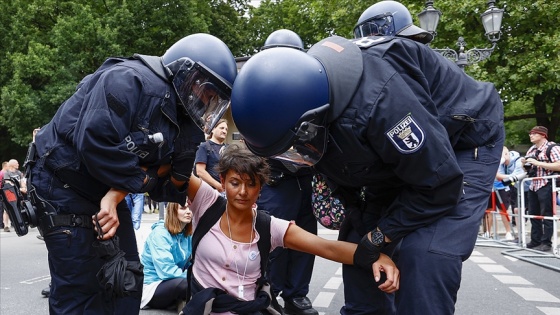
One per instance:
(311, 20)
(525, 67)
(48, 46)
(228, 24)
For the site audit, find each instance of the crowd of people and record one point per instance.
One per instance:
(411, 145)
(10, 175)
(541, 159)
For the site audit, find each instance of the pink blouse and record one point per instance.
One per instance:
(221, 262)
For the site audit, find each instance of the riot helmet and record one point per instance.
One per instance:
(280, 104)
(389, 18)
(202, 70)
(283, 38)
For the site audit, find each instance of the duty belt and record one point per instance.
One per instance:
(50, 221)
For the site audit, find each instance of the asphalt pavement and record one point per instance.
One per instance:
(495, 281)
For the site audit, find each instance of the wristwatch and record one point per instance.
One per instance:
(369, 250)
(377, 238)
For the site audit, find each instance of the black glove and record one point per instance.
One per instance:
(182, 165)
(151, 172)
(184, 151)
(366, 253)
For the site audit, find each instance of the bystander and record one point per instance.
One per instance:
(499, 200)
(5, 218)
(540, 191)
(135, 202)
(513, 177)
(208, 155)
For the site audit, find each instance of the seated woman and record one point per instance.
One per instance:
(227, 261)
(166, 253)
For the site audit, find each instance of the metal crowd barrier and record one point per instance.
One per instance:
(498, 208)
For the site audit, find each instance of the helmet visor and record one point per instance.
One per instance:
(308, 148)
(203, 94)
(381, 24)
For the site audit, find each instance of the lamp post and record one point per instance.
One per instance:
(491, 20)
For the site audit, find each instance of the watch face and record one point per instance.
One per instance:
(377, 238)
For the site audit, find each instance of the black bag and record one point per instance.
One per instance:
(117, 276)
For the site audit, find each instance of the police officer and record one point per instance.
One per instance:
(131, 126)
(388, 114)
(372, 22)
(288, 196)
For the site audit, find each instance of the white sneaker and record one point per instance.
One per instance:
(509, 236)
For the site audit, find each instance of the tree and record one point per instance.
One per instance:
(525, 67)
(48, 46)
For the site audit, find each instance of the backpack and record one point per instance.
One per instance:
(548, 150)
(210, 217)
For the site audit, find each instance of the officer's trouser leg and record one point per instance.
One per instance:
(290, 271)
(430, 258)
(129, 305)
(361, 295)
(74, 265)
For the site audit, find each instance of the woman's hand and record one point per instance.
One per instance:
(386, 265)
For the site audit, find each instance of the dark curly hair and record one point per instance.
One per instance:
(242, 161)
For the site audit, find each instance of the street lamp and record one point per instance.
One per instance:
(491, 20)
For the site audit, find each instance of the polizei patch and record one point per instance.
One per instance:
(406, 135)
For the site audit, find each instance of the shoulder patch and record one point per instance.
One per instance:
(367, 42)
(406, 135)
(116, 105)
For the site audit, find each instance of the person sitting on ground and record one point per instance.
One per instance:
(165, 258)
(227, 261)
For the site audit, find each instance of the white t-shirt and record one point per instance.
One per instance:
(217, 254)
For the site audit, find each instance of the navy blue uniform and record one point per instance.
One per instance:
(98, 140)
(425, 140)
(288, 196)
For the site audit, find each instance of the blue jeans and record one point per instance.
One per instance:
(135, 203)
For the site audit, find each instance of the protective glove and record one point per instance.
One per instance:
(152, 174)
(366, 253)
(182, 165)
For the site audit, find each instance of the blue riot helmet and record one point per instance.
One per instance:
(390, 18)
(280, 102)
(283, 38)
(202, 69)
(283, 98)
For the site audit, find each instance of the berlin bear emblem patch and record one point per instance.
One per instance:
(406, 135)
